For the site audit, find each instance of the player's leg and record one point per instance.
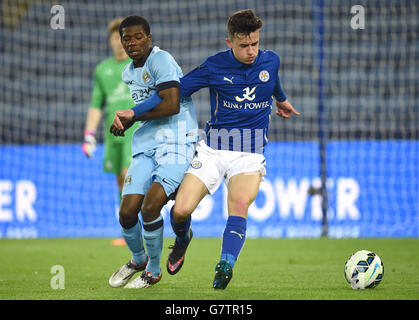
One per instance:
(124, 161)
(134, 189)
(203, 177)
(137, 182)
(117, 159)
(120, 178)
(191, 191)
(167, 176)
(132, 235)
(112, 163)
(154, 201)
(242, 190)
(120, 181)
(125, 158)
(131, 227)
(243, 177)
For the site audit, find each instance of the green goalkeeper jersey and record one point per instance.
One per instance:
(110, 94)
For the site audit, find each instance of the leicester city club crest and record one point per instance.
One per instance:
(264, 75)
(196, 164)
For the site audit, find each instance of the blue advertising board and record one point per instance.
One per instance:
(373, 187)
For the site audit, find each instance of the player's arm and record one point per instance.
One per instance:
(168, 106)
(165, 71)
(93, 117)
(284, 108)
(190, 83)
(194, 80)
(162, 104)
(92, 122)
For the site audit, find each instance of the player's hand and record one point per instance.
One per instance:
(122, 121)
(285, 109)
(89, 143)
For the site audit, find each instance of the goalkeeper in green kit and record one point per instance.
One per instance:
(110, 94)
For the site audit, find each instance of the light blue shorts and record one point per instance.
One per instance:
(166, 165)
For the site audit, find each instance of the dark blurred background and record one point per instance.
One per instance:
(368, 81)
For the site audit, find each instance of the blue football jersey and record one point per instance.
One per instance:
(159, 69)
(240, 98)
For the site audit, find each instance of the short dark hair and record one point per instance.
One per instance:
(243, 21)
(134, 21)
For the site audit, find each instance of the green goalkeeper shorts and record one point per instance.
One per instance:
(117, 156)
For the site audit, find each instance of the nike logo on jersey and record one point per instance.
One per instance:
(248, 95)
(241, 235)
(229, 80)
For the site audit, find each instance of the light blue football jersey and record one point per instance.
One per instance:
(182, 128)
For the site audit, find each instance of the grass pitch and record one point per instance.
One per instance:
(267, 269)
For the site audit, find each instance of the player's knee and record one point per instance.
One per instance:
(240, 205)
(127, 218)
(180, 213)
(150, 209)
(128, 211)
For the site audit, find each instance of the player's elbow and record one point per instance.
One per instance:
(176, 108)
(170, 105)
(171, 101)
(173, 107)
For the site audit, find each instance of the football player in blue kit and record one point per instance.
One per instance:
(162, 148)
(242, 82)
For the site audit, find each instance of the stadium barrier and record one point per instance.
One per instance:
(44, 194)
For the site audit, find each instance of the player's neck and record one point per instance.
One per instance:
(140, 62)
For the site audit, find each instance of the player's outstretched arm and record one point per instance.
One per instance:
(169, 105)
(285, 109)
(122, 121)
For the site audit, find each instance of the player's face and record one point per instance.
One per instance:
(116, 45)
(245, 47)
(136, 42)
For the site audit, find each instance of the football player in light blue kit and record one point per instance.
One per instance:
(162, 148)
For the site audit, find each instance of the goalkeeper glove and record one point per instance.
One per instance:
(89, 143)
